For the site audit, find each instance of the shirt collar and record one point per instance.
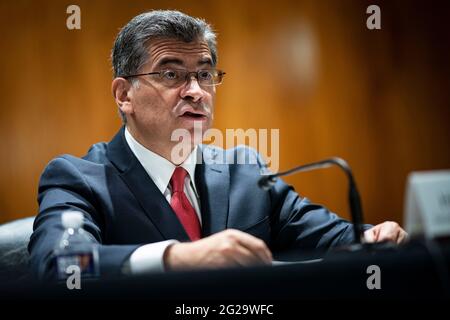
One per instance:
(158, 168)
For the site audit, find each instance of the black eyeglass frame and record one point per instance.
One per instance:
(188, 76)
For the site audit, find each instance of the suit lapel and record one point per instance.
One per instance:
(212, 178)
(144, 189)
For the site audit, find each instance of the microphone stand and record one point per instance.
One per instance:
(266, 182)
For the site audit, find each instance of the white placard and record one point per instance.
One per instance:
(427, 204)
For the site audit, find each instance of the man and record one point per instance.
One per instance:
(148, 208)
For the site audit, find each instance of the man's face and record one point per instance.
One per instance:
(158, 110)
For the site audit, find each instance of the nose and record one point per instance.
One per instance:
(192, 90)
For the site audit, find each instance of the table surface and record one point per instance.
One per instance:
(419, 269)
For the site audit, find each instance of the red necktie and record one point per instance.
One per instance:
(181, 205)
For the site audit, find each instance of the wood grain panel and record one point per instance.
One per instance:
(379, 99)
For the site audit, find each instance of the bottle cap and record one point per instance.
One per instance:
(72, 219)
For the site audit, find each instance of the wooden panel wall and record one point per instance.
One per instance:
(379, 99)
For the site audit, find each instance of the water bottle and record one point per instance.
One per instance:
(76, 250)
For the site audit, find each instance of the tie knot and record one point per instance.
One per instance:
(177, 180)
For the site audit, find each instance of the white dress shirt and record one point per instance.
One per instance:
(149, 257)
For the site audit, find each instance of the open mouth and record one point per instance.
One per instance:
(193, 115)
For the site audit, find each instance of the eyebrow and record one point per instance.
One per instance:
(179, 62)
(168, 60)
(205, 61)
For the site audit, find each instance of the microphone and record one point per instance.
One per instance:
(266, 182)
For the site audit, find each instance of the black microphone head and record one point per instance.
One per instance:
(267, 182)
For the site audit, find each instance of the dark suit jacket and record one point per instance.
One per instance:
(124, 209)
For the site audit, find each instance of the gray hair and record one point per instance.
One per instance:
(130, 51)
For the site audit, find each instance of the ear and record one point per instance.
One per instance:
(122, 93)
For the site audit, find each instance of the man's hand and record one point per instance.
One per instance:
(386, 231)
(224, 249)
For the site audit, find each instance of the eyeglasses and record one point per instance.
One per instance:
(177, 77)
